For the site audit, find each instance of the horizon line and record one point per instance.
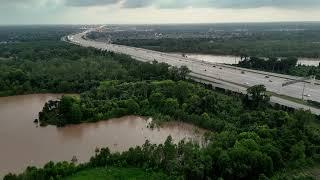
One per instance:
(177, 23)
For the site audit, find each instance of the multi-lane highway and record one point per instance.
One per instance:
(234, 78)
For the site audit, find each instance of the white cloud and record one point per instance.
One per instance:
(155, 11)
(200, 3)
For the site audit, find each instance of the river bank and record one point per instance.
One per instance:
(42, 144)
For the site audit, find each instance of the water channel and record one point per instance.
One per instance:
(23, 143)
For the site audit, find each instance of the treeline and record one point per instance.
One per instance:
(257, 144)
(250, 46)
(283, 66)
(271, 64)
(229, 156)
(164, 100)
(250, 139)
(58, 67)
(34, 33)
(303, 71)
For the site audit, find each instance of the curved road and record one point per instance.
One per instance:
(238, 78)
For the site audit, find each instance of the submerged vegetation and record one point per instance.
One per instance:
(165, 100)
(248, 138)
(283, 66)
(259, 144)
(295, 39)
(251, 46)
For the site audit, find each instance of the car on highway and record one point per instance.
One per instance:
(253, 77)
(307, 95)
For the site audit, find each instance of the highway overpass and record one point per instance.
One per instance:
(233, 78)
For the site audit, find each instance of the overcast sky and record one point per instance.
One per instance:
(155, 11)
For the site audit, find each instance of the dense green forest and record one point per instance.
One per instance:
(248, 138)
(294, 39)
(250, 46)
(32, 33)
(166, 100)
(58, 67)
(283, 66)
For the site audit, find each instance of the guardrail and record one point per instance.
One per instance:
(219, 82)
(273, 99)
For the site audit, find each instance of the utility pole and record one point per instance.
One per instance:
(304, 86)
(312, 78)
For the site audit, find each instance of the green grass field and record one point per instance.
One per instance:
(117, 174)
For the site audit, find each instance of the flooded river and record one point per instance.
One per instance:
(23, 143)
(235, 59)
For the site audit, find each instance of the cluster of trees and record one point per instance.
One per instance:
(258, 145)
(252, 39)
(165, 100)
(50, 170)
(284, 66)
(32, 33)
(231, 154)
(235, 46)
(67, 110)
(58, 67)
(303, 71)
(271, 64)
(257, 97)
(250, 139)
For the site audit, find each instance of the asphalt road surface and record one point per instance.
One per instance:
(237, 77)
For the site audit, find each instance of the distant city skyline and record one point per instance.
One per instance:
(155, 11)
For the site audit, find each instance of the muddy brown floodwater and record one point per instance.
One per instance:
(235, 59)
(23, 144)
